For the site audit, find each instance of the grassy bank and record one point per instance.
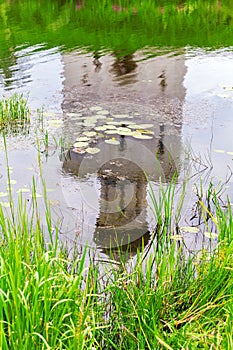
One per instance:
(165, 300)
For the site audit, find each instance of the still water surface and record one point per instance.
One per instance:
(183, 94)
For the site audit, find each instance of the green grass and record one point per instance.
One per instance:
(14, 113)
(161, 300)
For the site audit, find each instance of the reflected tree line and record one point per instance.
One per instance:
(112, 25)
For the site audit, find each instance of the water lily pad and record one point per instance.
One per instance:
(122, 116)
(49, 114)
(80, 144)
(123, 128)
(223, 95)
(36, 195)
(55, 122)
(95, 108)
(101, 128)
(140, 136)
(189, 229)
(12, 182)
(111, 132)
(89, 133)
(125, 133)
(141, 126)
(112, 142)
(74, 114)
(82, 139)
(3, 194)
(100, 116)
(177, 237)
(54, 202)
(5, 204)
(92, 150)
(219, 151)
(90, 121)
(23, 190)
(103, 112)
(89, 124)
(210, 235)
(110, 126)
(127, 122)
(79, 150)
(146, 132)
(50, 189)
(113, 123)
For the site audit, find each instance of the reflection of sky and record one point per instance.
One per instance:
(208, 108)
(39, 73)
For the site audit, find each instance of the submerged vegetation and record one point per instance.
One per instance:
(163, 298)
(14, 113)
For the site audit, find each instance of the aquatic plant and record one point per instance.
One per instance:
(14, 112)
(161, 299)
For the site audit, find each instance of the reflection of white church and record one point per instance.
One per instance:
(131, 75)
(127, 80)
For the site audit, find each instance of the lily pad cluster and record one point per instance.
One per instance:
(227, 91)
(100, 123)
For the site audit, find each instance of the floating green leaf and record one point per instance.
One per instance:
(113, 123)
(123, 128)
(219, 151)
(103, 112)
(223, 95)
(210, 235)
(92, 150)
(112, 142)
(12, 182)
(55, 122)
(111, 132)
(79, 150)
(137, 135)
(125, 133)
(36, 195)
(189, 229)
(127, 122)
(101, 128)
(141, 126)
(89, 133)
(3, 194)
(122, 116)
(176, 237)
(54, 202)
(95, 108)
(110, 126)
(82, 139)
(22, 190)
(74, 114)
(80, 144)
(5, 204)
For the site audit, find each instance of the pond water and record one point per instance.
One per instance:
(132, 92)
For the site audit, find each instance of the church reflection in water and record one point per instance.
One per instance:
(153, 88)
(122, 223)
